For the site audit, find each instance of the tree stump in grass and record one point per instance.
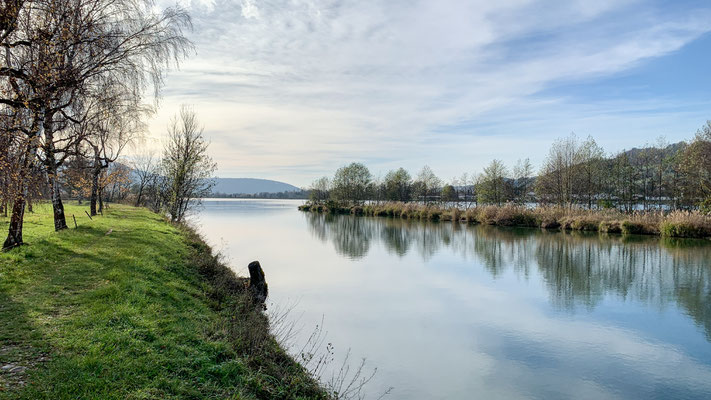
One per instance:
(257, 283)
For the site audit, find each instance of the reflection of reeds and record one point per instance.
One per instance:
(676, 224)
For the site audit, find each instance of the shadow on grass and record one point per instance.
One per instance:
(21, 349)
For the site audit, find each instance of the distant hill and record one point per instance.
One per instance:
(634, 153)
(250, 186)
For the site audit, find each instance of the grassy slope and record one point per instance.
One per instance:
(128, 315)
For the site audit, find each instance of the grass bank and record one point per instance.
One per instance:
(128, 306)
(676, 224)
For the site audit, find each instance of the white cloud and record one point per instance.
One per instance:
(249, 9)
(291, 89)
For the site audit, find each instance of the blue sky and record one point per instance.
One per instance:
(293, 89)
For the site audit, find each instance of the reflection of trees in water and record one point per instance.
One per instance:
(694, 294)
(396, 238)
(351, 236)
(581, 269)
(428, 238)
(317, 225)
(499, 248)
(578, 269)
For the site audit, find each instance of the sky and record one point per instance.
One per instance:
(291, 90)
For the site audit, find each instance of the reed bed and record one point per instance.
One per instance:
(684, 224)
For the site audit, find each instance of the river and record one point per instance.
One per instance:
(449, 311)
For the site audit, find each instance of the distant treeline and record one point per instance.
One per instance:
(576, 174)
(296, 194)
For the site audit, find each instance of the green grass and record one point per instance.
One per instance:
(145, 312)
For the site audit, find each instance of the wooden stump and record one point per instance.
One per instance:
(257, 283)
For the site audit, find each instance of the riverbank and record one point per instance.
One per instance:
(130, 306)
(676, 224)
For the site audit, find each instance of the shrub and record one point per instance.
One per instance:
(382, 212)
(525, 218)
(505, 216)
(606, 204)
(705, 206)
(681, 230)
(610, 227)
(686, 225)
(433, 214)
(455, 214)
(487, 215)
(566, 223)
(550, 224)
(334, 207)
(585, 224)
(631, 228)
(470, 216)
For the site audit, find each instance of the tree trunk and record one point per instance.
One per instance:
(101, 201)
(14, 235)
(60, 221)
(94, 188)
(140, 194)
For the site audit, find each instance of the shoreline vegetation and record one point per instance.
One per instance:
(661, 189)
(679, 224)
(128, 305)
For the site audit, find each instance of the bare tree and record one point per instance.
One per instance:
(113, 122)
(186, 164)
(522, 173)
(145, 167)
(467, 182)
(427, 184)
(320, 190)
(557, 178)
(494, 188)
(588, 169)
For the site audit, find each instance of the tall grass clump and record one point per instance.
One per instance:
(470, 216)
(686, 225)
(628, 227)
(456, 214)
(610, 227)
(549, 217)
(642, 223)
(677, 224)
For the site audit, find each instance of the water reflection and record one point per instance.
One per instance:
(578, 269)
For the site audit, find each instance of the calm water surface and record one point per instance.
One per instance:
(446, 311)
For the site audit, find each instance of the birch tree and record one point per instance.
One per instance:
(187, 166)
